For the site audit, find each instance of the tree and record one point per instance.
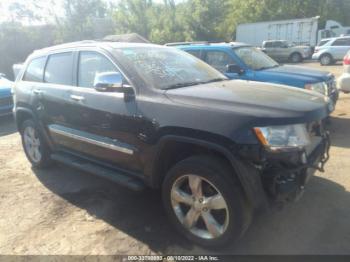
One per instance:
(84, 19)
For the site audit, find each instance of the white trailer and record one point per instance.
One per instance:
(302, 31)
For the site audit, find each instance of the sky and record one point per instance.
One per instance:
(43, 8)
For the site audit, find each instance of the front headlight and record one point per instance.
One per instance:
(283, 137)
(320, 87)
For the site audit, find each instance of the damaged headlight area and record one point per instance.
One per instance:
(320, 87)
(283, 137)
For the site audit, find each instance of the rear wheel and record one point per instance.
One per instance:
(203, 201)
(326, 59)
(296, 58)
(35, 147)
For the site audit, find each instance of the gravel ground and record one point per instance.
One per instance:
(63, 211)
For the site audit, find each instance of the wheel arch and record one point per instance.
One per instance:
(244, 173)
(326, 54)
(22, 114)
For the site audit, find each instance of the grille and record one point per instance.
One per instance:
(6, 101)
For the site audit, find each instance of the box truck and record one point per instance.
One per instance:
(303, 31)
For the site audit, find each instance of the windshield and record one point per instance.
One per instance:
(254, 58)
(323, 42)
(166, 68)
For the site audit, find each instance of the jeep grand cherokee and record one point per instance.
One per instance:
(147, 115)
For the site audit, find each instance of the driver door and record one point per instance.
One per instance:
(104, 124)
(220, 60)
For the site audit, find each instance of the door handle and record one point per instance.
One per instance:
(37, 91)
(77, 98)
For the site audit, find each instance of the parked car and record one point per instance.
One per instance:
(281, 50)
(147, 115)
(332, 51)
(242, 61)
(6, 101)
(344, 79)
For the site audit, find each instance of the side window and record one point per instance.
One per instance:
(59, 69)
(341, 42)
(196, 53)
(91, 64)
(35, 70)
(278, 44)
(219, 60)
(268, 45)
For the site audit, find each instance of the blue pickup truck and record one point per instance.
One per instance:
(242, 61)
(6, 100)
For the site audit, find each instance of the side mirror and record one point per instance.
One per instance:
(109, 82)
(234, 69)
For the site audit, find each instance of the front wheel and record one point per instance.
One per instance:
(296, 58)
(34, 145)
(326, 60)
(203, 201)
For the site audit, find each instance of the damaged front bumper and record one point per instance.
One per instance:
(286, 174)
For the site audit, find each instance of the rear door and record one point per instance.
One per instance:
(102, 125)
(58, 80)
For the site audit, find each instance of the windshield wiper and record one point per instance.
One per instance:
(178, 85)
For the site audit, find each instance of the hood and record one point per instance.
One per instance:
(299, 72)
(263, 103)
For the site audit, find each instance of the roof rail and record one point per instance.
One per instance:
(188, 43)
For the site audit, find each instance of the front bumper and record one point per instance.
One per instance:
(288, 173)
(315, 56)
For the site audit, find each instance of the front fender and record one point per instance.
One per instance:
(247, 174)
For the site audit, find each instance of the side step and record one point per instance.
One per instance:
(120, 178)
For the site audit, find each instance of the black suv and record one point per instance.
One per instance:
(147, 115)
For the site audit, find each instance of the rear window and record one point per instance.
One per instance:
(35, 70)
(59, 69)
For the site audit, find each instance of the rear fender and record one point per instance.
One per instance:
(22, 113)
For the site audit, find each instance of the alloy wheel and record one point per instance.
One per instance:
(32, 144)
(325, 60)
(199, 206)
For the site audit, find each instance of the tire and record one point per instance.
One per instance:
(326, 59)
(232, 215)
(296, 58)
(34, 145)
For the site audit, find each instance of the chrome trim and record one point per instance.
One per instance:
(92, 141)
